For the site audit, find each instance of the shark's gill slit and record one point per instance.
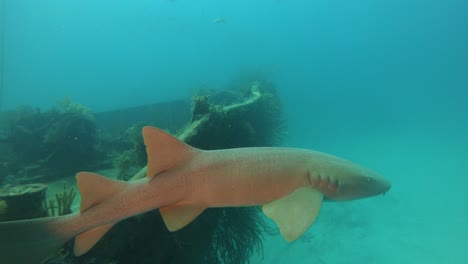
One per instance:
(333, 185)
(308, 177)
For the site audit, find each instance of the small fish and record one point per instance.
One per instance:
(183, 181)
(219, 20)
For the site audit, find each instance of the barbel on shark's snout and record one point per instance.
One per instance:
(183, 181)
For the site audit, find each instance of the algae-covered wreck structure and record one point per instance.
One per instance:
(249, 115)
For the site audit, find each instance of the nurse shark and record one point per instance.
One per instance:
(289, 184)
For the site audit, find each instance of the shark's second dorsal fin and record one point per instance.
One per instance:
(164, 151)
(94, 189)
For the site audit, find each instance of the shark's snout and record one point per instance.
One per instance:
(361, 185)
(376, 185)
(387, 186)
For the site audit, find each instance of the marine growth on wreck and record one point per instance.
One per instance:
(44, 146)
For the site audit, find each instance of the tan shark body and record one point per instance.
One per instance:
(183, 181)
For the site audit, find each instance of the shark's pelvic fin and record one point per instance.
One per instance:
(85, 241)
(295, 212)
(164, 151)
(94, 189)
(178, 216)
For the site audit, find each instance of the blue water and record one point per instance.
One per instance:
(384, 83)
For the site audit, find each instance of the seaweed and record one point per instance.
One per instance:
(237, 235)
(51, 144)
(128, 154)
(62, 203)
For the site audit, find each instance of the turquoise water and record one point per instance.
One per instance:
(384, 83)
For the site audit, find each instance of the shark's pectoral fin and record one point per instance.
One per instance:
(295, 212)
(85, 241)
(178, 216)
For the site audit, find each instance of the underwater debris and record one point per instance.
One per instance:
(251, 121)
(129, 153)
(201, 107)
(3, 207)
(126, 164)
(22, 201)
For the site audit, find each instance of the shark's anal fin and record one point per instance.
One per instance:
(178, 216)
(295, 212)
(94, 189)
(164, 151)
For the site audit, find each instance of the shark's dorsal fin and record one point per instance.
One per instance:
(178, 216)
(295, 212)
(94, 189)
(164, 151)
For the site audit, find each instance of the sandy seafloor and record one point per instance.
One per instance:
(422, 219)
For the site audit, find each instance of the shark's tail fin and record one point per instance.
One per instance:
(32, 241)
